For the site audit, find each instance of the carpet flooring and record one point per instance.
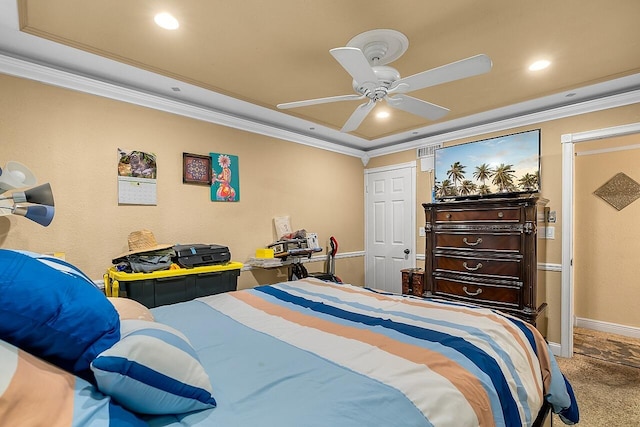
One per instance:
(605, 375)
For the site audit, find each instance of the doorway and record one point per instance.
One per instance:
(390, 238)
(568, 199)
(607, 233)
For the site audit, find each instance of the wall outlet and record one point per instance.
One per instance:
(422, 232)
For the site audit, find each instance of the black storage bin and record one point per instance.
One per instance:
(172, 286)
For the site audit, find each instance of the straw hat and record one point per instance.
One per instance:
(143, 241)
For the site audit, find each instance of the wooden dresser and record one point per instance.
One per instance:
(485, 252)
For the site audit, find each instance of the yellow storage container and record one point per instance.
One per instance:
(264, 253)
(174, 285)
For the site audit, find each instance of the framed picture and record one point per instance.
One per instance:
(196, 169)
(225, 186)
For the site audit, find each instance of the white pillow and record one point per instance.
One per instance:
(153, 370)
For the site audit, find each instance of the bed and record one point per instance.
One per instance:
(299, 353)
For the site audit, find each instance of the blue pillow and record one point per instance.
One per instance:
(153, 370)
(54, 311)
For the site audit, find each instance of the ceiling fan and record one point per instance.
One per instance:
(365, 58)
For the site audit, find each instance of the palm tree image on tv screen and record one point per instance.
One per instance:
(502, 166)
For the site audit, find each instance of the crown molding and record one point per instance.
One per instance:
(34, 71)
(60, 78)
(604, 103)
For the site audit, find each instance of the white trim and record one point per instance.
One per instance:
(411, 164)
(608, 150)
(350, 254)
(566, 289)
(604, 103)
(608, 327)
(28, 70)
(602, 133)
(264, 121)
(555, 349)
(568, 154)
(549, 267)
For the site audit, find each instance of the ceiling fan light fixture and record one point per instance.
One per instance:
(539, 65)
(166, 21)
(364, 59)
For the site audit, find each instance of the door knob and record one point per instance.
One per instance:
(407, 251)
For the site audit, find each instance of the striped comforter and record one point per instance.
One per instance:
(312, 353)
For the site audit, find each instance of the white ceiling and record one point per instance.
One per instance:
(233, 62)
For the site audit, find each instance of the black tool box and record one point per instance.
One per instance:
(197, 255)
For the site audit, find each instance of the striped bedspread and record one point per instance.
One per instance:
(312, 353)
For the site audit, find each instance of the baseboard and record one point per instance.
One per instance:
(555, 349)
(611, 328)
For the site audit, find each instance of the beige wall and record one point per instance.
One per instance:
(70, 139)
(551, 180)
(604, 236)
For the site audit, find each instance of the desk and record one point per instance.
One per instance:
(292, 260)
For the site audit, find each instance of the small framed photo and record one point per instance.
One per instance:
(196, 169)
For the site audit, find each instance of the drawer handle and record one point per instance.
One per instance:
(448, 216)
(500, 214)
(477, 267)
(472, 243)
(473, 294)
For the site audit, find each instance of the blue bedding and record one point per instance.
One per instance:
(311, 353)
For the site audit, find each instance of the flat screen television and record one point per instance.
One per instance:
(504, 166)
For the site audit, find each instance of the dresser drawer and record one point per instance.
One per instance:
(505, 214)
(479, 241)
(507, 268)
(482, 293)
(485, 252)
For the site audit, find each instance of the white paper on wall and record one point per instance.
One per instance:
(283, 225)
(137, 191)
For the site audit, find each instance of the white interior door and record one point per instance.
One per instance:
(389, 225)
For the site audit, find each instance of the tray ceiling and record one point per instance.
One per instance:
(266, 53)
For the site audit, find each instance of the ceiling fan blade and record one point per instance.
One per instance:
(462, 69)
(355, 63)
(296, 104)
(417, 106)
(357, 117)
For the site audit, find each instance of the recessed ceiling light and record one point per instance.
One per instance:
(539, 65)
(382, 114)
(166, 21)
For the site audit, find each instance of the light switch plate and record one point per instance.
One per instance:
(550, 232)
